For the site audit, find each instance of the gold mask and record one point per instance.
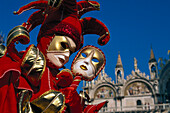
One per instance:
(60, 50)
(62, 43)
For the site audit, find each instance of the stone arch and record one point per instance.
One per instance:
(108, 87)
(104, 85)
(143, 81)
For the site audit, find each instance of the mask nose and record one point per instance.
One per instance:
(89, 57)
(86, 62)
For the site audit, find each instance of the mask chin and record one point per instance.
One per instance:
(80, 67)
(57, 60)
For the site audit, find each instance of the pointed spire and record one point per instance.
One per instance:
(152, 57)
(119, 61)
(135, 63)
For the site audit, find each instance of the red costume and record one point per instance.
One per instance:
(30, 73)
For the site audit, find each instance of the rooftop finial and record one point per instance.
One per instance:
(119, 61)
(152, 57)
(135, 63)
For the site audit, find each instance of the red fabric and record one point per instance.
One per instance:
(9, 74)
(76, 82)
(23, 84)
(86, 6)
(94, 108)
(94, 26)
(64, 79)
(33, 5)
(47, 83)
(34, 20)
(72, 99)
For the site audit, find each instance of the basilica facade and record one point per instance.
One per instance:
(135, 92)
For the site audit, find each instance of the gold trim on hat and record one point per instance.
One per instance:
(16, 32)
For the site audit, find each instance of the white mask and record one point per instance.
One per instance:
(85, 66)
(88, 62)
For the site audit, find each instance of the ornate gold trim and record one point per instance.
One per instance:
(20, 26)
(94, 5)
(27, 54)
(33, 64)
(52, 5)
(9, 41)
(3, 50)
(77, 80)
(52, 99)
(16, 32)
(44, 65)
(24, 100)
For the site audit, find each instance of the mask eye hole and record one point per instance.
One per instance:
(84, 55)
(64, 45)
(95, 60)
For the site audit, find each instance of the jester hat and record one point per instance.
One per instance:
(60, 17)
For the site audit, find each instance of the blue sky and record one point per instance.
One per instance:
(134, 26)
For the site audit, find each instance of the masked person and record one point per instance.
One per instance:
(60, 35)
